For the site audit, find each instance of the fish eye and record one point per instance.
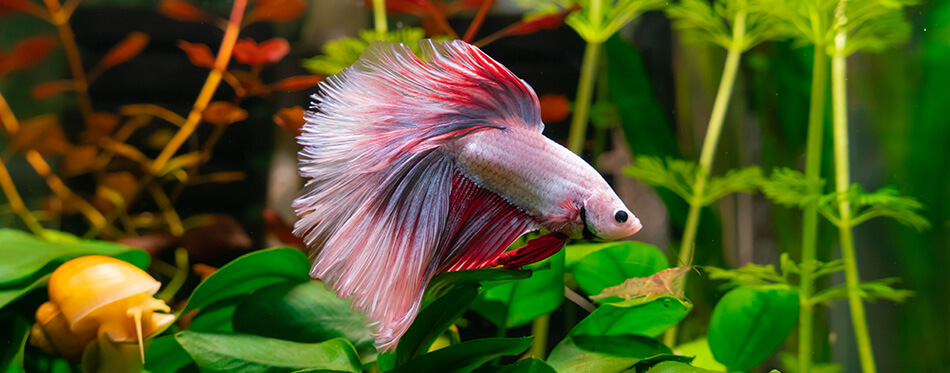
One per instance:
(621, 216)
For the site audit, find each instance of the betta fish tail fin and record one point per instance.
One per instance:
(384, 208)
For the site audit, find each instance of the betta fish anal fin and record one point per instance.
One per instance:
(421, 166)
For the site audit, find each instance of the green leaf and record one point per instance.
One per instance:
(701, 354)
(678, 367)
(749, 323)
(519, 302)
(645, 316)
(873, 25)
(14, 334)
(442, 283)
(24, 255)
(584, 353)
(701, 21)
(466, 356)
(744, 180)
(251, 272)
(217, 317)
(598, 27)
(432, 322)
(676, 175)
(886, 201)
(611, 266)
(531, 365)
(165, 355)
(750, 274)
(868, 290)
(302, 312)
(248, 353)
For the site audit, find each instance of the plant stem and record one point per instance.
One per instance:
(478, 20)
(842, 183)
(59, 16)
(819, 81)
(211, 84)
(16, 203)
(379, 17)
(539, 329)
(585, 92)
(713, 130)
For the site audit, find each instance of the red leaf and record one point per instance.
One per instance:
(544, 22)
(251, 53)
(296, 83)
(223, 113)
(30, 51)
(46, 90)
(181, 10)
(290, 119)
(277, 10)
(278, 228)
(12, 6)
(198, 54)
(131, 46)
(554, 108)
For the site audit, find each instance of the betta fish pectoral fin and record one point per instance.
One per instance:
(421, 166)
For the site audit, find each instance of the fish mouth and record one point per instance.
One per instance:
(587, 232)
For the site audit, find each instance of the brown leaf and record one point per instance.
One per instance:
(181, 10)
(101, 124)
(46, 90)
(152, 243)
(290, 119)
(198, 54)
(277, 10)
(271, 51)
(277, 227)
(42, 133)
(666, 282)
(214, 235)
(554, 108)
(79, 160)
(131, 46)
(12, 6)
(296, 83)
(115, 189)
(223, 113)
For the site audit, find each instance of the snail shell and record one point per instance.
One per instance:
(95, 295)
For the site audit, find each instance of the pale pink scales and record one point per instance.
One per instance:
(419, 167)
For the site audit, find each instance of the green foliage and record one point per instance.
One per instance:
(432, 322)
(249, 353)
(678, 175)
(645, 316)
(701, 21)
(343, 52)
(678, 367)
(868, 290)
(612, 265)
(466, 356)
(791, 188)
(594, 24)
(750, 322)
(445, 282)
(606, 354)
(517, 303)
(702, 356)
(872, 25)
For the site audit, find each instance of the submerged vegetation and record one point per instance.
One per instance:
(766, 257)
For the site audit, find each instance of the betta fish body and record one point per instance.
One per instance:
(418, 167)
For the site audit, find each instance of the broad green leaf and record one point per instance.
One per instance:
(217, 317)
(165, 355)
(531, 365)
(749, 323)
(445, 282)
(575, 252)
(466, 356)
(14, 334)
(519, 302)
(678, 367)
(701, 354)
(302, 312)
(615, 264)
(249, 353)
(432, 321)
(23, 255)
(645, 316)
(8, 295)
(603, 353)
(249, 273)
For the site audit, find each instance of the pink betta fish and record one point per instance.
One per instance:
(422, 166)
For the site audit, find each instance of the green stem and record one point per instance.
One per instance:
(585, 92)
(539, 329)
(819, 81)
(379, 16)
(842, 183)
(713, 130)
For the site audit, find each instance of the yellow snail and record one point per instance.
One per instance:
(98, 296)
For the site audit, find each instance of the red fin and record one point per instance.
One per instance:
(480, 226)
(535, 251)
